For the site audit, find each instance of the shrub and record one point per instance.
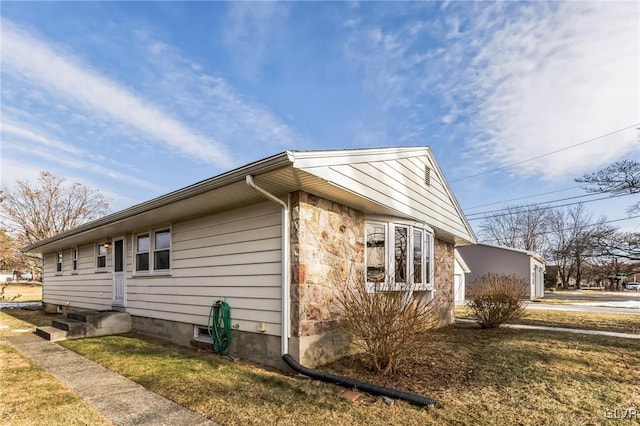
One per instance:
(388, 326)
(495, 299)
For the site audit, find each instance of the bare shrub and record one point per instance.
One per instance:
(495, 299)
(388, 326)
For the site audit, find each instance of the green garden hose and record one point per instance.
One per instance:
(220, 326)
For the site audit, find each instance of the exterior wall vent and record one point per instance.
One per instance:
(427, 175)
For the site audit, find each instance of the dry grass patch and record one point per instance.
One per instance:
(621, 323)
(30, 395)
(235, 393)
(508, 376)
(502, 376)
(23, 292)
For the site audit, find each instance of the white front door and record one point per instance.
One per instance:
(119, 279)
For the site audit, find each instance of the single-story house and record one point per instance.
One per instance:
(487, 258)
(460, 270)
(265, 238)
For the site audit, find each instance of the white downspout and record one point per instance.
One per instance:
(285, 263)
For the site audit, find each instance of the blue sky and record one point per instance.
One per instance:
(141, 98)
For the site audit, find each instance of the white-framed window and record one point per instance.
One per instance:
(74, 260)
(398, 256)
(201, 333)
(152, 252)
(59, 257)
(142, 243)
(162, 250)
(102, 249)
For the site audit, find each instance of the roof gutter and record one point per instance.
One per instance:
(286, 267)
(262, 166)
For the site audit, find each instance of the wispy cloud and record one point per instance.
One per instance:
(19, 140)
(60, 72)
(213, 105)
(553, 76)
(251, 30)
(521, 79)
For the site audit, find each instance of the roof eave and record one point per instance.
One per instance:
(232, 176)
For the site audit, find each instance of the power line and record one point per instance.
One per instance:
(543, 207)
(567, 229)
(522, 198)
(541, 203)
(545, 155)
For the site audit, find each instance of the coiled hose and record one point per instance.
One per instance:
(219, 326)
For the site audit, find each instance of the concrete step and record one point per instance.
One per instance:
(75, 329)
(51, 333)
(107, 322)
(86, 324)
(67, 324)
(81, 315)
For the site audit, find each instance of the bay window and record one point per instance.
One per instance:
(398, 256)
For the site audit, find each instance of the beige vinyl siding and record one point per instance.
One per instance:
(400, 184)
(84, 289)
(233, 256)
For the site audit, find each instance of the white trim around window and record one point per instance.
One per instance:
(398, 255)
(75, 259)
(101, 253)
(152, 252)
(59, 262)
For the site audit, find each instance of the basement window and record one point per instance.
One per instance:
(201, 333)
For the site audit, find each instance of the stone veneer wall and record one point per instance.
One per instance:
(327, 245)
(444, 281)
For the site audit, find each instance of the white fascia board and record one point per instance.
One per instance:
(227, 178)
(312, 159)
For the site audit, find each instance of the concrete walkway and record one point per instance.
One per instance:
(562, 329)
(121, 400)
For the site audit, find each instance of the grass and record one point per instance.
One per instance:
(621, 323)
(502, 376)
(30, 395)
(23, 292)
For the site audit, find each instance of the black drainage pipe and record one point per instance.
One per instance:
(346, 382)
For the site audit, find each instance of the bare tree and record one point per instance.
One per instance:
(560, 238)
(521, 226)
(618, 178)
(10, 256)
(573, 238)
(36, 212)
(624, 245)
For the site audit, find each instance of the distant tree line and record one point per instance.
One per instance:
(579, 246)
